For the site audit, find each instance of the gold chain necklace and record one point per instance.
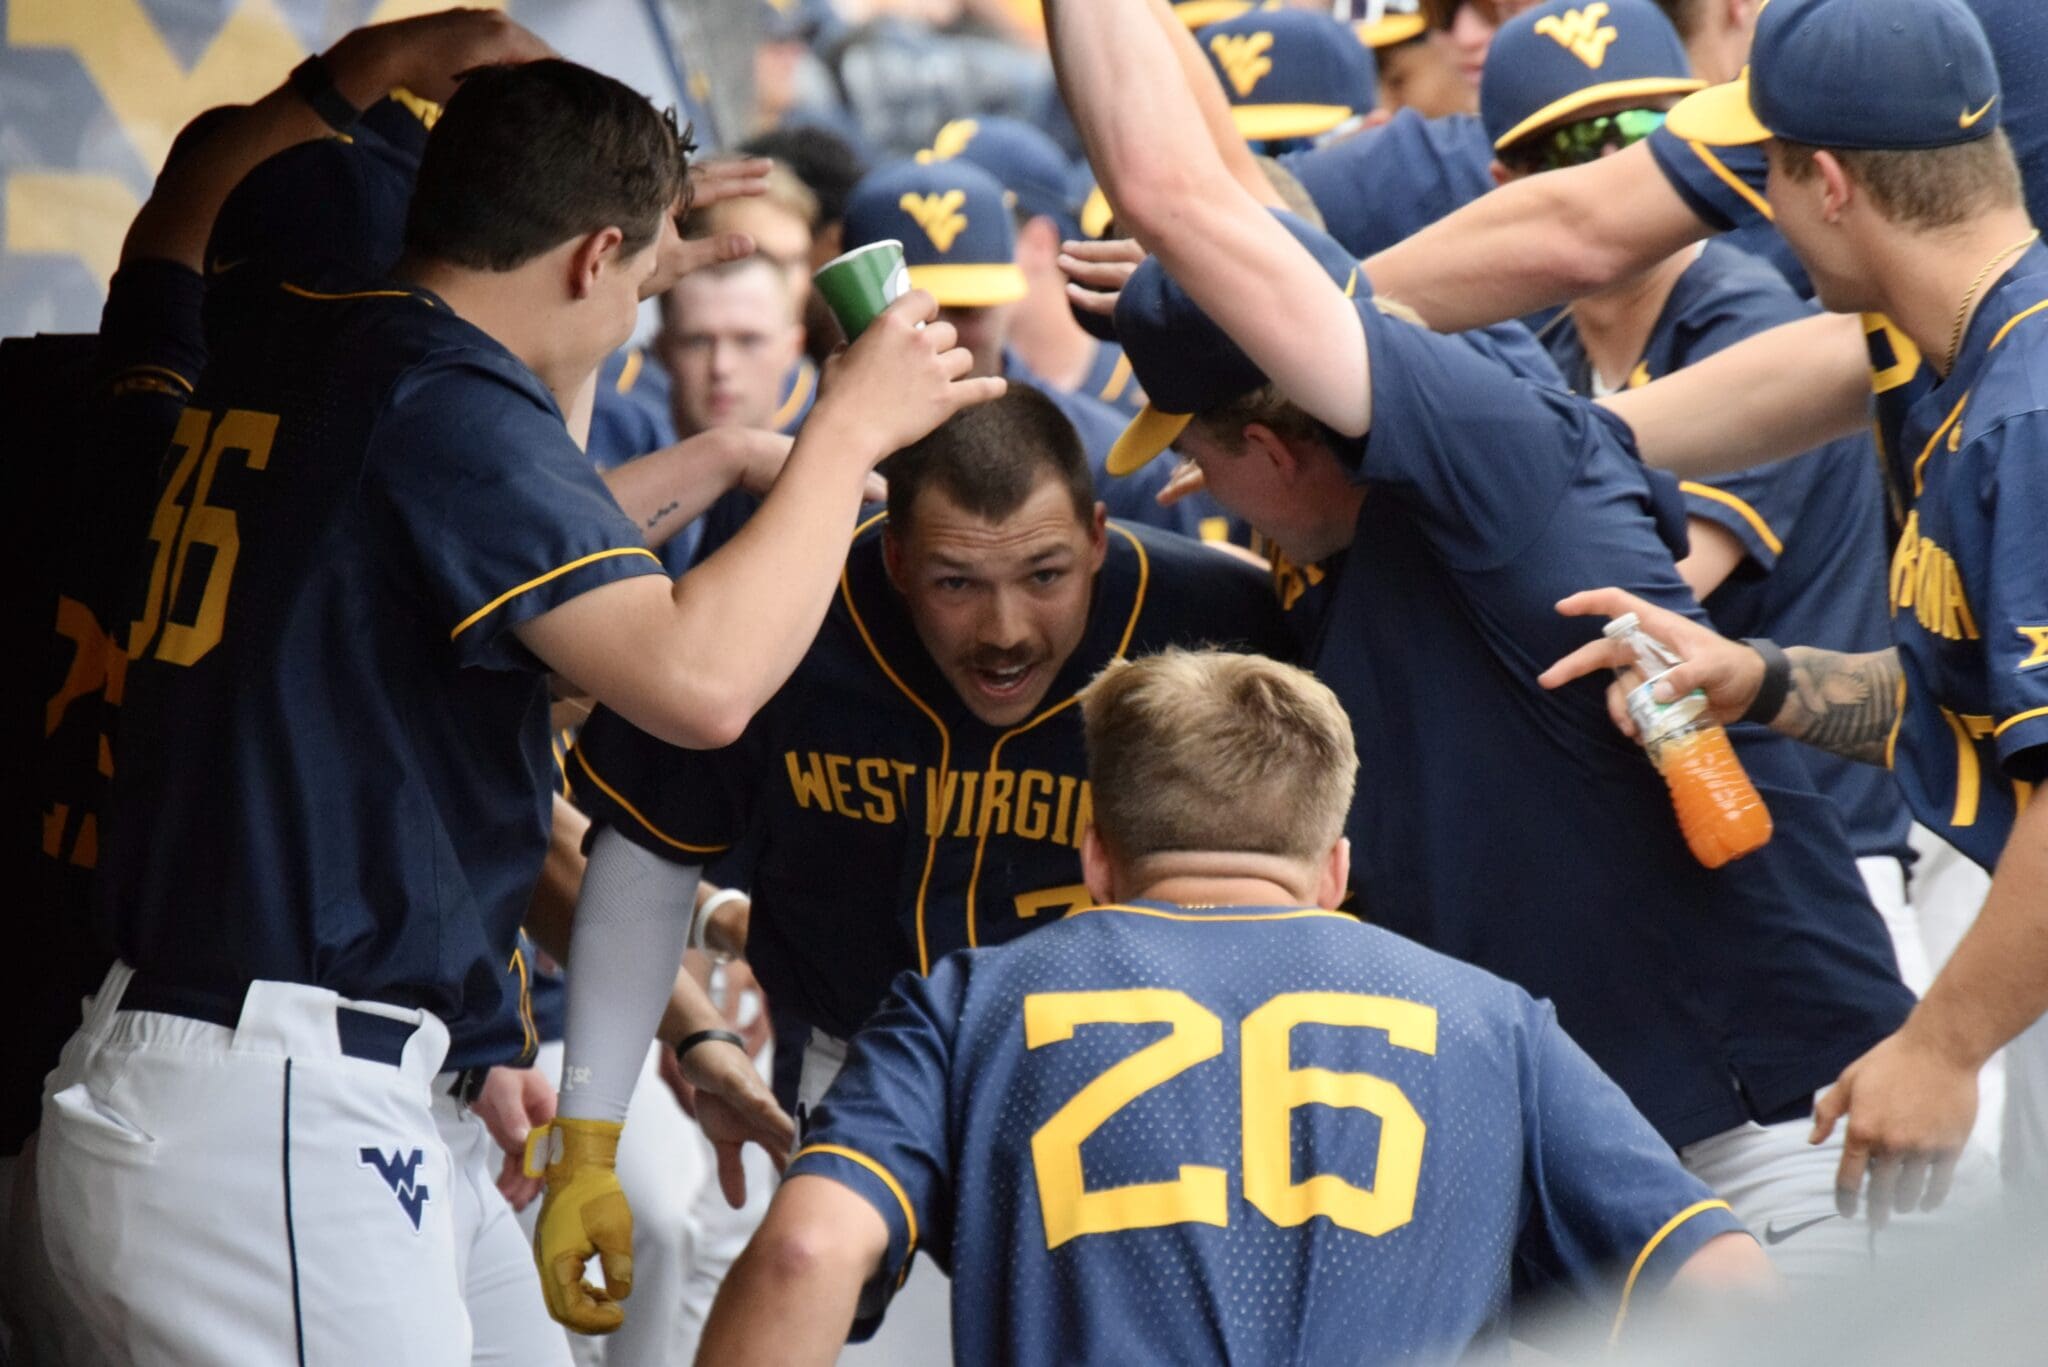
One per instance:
(1955, 336)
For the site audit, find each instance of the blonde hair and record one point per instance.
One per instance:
(784, 192)
(1213, 751)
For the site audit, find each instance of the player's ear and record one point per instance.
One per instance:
(1095, 866)
(1098, 536)
(1263, 443)
(1333, 878)
(1836, 189)
(892, 556)
(593, 253)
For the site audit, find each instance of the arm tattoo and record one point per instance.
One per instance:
(660, 513)
(1846, 704)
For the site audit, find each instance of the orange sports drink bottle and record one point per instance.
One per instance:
(1719, 810)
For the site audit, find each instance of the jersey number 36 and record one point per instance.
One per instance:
(178, 527)
(1272, 1090)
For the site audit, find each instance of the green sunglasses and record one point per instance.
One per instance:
(1575, 144)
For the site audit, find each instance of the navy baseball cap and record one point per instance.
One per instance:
(1867, 74)
(954, 223)
(1384, 23)
(1023, 160)
(1551, 62)
(1184, 361)
(1290, 73)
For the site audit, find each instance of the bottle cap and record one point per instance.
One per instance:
(1620, 626)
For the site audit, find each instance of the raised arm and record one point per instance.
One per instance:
(426, 55)
(1539, 242)
(1156, 161)
(643, 646)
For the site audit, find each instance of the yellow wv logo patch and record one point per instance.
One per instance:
(1580, 32)
(951, 141)
(938, 215)
(1243, 59)
(2037, 637)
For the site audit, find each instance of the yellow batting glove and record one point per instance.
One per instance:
(583, 1213)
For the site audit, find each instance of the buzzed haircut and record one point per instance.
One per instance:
(527, 157)
(668, 302)
(990, 459)
(1205, 750)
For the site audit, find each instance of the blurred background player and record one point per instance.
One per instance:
(1794, 549)
(1294, 79)
(1222, 786)
(1043, 331)
(959, 240)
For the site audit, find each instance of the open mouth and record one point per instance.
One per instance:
(1005, 681)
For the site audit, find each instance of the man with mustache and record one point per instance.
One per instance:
(918, 786)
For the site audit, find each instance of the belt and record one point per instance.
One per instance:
(363, 1034)
(468, 1083)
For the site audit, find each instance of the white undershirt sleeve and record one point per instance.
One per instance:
(632, 916)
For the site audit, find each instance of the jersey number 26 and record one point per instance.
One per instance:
(1272, 1090)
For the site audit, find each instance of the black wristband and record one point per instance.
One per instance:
(689, 1042)
(314, 84)
(1770, 694)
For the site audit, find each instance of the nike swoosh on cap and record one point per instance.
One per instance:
(1969, 120)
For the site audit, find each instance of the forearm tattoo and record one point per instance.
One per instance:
(1846, 704)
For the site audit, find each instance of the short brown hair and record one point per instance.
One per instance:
(783, 190)
(527, 157)
(1213, 751)
(1935, 187)
(990, 458)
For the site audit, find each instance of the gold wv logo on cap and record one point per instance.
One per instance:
(950, 141)
(1243, 59)
(1580, 32)
(939, 216)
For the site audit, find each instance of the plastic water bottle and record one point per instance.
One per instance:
(1719, 810)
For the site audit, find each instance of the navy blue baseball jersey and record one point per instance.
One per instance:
(334, 747)
(885, 824)
(1969, 582)
(1248, 1135)
(1111, 380)
(1811, 528)
(1514, 827)
(1386, 183)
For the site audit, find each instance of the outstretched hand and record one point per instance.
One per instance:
(1909, 1110)
(905, 376)
(1728, 672)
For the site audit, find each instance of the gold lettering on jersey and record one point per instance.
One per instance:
(1243, 59)
(1580, 32)
(1031, 804)
(2037, 637)
(1894, 359)
(1291, 581)
(1925, 578)
(950, 141)
(939, 215)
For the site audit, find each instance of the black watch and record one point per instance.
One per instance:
(1777, 682)
(315, 85)
(689, 1042)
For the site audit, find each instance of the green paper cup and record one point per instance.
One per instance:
(863, 282)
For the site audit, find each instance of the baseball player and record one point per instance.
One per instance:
(1956, 709)
(1293, 79)
(959, 240)
(1209, 1081)
(1792, 550)
(917, 787)
(330, 811)
(1043, 330)
(1435, 627)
